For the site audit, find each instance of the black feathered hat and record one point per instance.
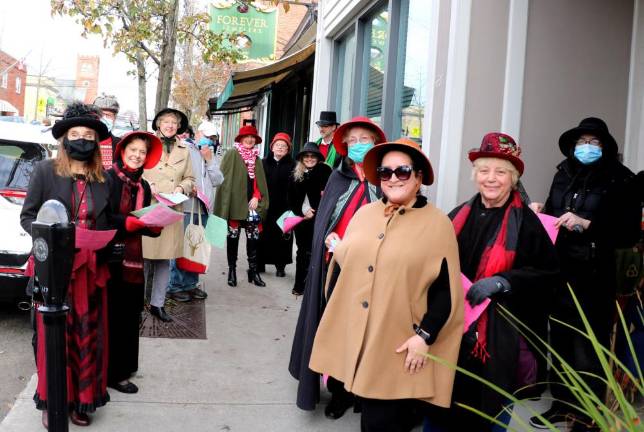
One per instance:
(80, 114)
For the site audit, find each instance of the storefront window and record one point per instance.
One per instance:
(374, 55)
(346, 59)
(411, 76)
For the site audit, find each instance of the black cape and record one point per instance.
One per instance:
(313, 302)
(274, 246)
(533, 278)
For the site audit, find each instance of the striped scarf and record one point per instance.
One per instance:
(249, 156)
(498, 256)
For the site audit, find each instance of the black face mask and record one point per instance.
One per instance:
(80, 149)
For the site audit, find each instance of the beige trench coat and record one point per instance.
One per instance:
(387, 266)
(171, 171)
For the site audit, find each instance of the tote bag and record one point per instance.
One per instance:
(196, 250)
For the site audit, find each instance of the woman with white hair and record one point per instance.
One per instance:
(507, 254)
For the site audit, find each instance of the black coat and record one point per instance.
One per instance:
(604, 193)
(313, 302)
(117, 218)
(311, 186)
(45, 185)
(274, 246)
(533, 278)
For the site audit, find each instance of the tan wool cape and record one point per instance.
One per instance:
(387, 265)
(172, 170)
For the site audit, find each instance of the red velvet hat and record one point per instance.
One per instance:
(364, 122)
(154, 153)
(282, 136)
(501, 146)
(246, 131)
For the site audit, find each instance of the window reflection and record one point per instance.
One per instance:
(376, 34)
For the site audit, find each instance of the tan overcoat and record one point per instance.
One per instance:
(387, 265)
(172, 170)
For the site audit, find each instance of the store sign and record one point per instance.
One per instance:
(256, 24)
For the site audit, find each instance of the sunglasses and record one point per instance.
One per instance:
(403, 172)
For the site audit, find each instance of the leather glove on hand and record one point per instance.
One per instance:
(485, 288)
(133, 224)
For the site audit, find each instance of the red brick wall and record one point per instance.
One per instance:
(287, 23)
(17, 72)
(87, 76)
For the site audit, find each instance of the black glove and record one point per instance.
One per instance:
(487, 287)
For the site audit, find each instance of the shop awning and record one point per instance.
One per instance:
(7, 107)
(245, 88)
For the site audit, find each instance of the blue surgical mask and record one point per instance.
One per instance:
(358, 150)
(204, 142)
(108, 122)
(588, 153)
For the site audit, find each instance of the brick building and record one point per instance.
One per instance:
(87, 77)
(13, 79)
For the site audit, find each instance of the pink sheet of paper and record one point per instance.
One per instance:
(178, 197)
(548, 223)
(471, 313)
(93, 239)
(204, 199)
(161, 216)
(291, 222)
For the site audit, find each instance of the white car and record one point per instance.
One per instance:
(21, 147)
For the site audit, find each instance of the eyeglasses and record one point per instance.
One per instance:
(403, 172)
(593, 141)
(361, 140)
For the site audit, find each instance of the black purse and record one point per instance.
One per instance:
(116, 252)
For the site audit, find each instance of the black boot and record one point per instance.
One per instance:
(302, 261)
(232, 244)
(253, 275)
(160, 313)
(232, 276)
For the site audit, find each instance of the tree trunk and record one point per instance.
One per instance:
(140, 73)
(166, 68)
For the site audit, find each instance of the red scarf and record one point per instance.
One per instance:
(249, 156)
(498, 256)
(133, 259)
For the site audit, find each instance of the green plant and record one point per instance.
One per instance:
(619, 416)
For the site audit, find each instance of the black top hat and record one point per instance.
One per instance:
(327, 118)
(591, 126)
(310, 147)
(80, 114)
(183, 126)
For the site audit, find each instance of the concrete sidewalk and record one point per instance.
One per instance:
(236, 380)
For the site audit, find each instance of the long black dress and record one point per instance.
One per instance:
(275, 247)
(124, 299)
(309, 187)
(341, 182)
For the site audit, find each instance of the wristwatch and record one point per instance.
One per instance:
(422, 333)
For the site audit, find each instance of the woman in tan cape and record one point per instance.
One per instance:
(397, 295)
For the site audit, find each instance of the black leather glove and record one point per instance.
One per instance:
(487, 287)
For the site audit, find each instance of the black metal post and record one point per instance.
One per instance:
(54, 318)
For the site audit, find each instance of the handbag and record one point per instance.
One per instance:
(196, 250)
(628, 266)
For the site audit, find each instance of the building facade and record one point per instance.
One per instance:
(87, 68)
(13, 79)
(445, 72)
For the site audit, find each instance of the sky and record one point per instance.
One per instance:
(28, 30)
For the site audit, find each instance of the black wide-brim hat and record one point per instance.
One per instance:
(310, 147)
(588, 126)
(80, 114)
(373, 159)
(183, 126)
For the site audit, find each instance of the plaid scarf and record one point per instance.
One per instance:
(133, 259)
(498, 256)
(249, 156)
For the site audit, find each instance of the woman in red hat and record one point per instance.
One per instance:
(506, 253)
(275, 247)
(346, 191)
(135, 152)
(242, 199)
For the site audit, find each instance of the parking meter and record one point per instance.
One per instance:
(53, 248)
